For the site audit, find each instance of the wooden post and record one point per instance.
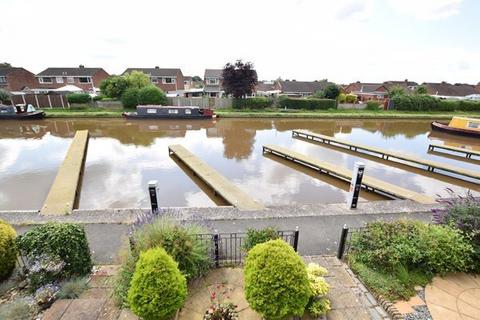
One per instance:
(36, 100)
(49, 101)
(23, 98)
(61, 99)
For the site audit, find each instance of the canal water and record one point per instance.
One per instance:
(124, 155)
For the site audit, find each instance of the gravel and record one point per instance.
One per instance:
(421, 313)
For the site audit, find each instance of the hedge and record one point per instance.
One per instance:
(78, 98)
(252, 103)
(308, 104)
(8, 252)
(151, 95)
(428, 103)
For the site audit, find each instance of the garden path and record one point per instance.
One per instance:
(454, 297)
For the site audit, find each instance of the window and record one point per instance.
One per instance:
(70, 80)
(85, 80)
(154, 79)
(151, 110)
(474, 125)
(45, 80)
(59, 79)
(188, 111)
(3, 79)
(172, 111)
(168, 80)
(213, 81)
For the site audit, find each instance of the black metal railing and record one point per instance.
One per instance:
(345, 243)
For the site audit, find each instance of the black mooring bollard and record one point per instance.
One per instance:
(152, 190)
(295, 239)
(343, 240)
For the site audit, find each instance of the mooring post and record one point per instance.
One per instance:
(216, 248)
(343, 240)
(295, 239)
(355, 185)
(152, 190)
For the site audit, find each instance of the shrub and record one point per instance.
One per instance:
(64, 240)
(114, 86)
(309, 104)
(342, 98)
(158, 289)
(4, 96)
(137, 79)
(255, 237)
(331, 91)
(122, 281)
(421, 102)
(351, 98)
(19, 309)
(72, 288)
(46, 295)
(78, 98)
(252, 103)
(373, 105)
(43, 269)
(318, 304)
(8, 252)
(276, 281)
(221, 311)
(151, 95)
(130, 98)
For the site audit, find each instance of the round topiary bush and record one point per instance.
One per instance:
(276, 281)
(8, 253)
(158, 289)
(151, 95)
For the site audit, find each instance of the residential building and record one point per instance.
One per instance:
(87, 79)
(213, 83)
(295, 88)
(267, 89)
(187, 82)
(168, 80)
(16, 79)
(444, 90)
(367, 91)
(408, 86)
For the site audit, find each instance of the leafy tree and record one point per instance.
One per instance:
(331, 91)
(320, 94)
(196, 78)
(239, 79)
(137, 79)
(396, 91)
(130, 98)
(4, 96)
(151, 95)
(114, 86)
(421, 90)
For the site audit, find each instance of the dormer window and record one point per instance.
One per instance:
(45, 80)
(213, 81)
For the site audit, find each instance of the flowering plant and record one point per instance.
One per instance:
(46, 295)
(221, 310)
(43, 269)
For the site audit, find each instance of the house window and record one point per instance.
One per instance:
(85, 80)
(59, 79)
(168, 80)
(188, 111)
(172, 111)
(154, 79)
(474, 125)
(45, 80)
(70, 80)
(3, 79)
(213, 81)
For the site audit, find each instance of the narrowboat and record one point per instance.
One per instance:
(20, 112)
(169, 112)
(469, 127)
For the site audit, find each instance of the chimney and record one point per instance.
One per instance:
(157, 67)
(81, 66)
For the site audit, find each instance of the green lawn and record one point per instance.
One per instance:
(84, 113)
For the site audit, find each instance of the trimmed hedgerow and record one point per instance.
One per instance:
(252, 103)
(307, 104)
(158, 288)
(78, 98)
(421, 102)
(276, 281)
(8, 252)
(67, 241)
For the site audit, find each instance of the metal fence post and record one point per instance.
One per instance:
(152, 190)
(216, 249)
(295, 239)
(355, 185)
(343, 240)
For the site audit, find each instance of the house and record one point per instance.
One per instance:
(267, 89)
(295, 88)
(16, 79)
(367, 91)
(168, 80)
(444, 90)
(408, 86)
(213, 83)
(187, 82)
(87, 79)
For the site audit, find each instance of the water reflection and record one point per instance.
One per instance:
(124, 155)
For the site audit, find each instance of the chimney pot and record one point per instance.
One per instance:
(81, 66)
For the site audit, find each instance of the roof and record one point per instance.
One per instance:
(404, 83)
(213, 73)
(72, 72)
(265, 86)
(156, 72)
(6, 70)
(451, 90)
(302, 86)
(371, 87)
(187, 78)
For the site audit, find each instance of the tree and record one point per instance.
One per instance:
(196, 79)
(130, 98)
(421, 90)
(239, 79)
(331, 91)
(114, 86)
(151, 95)
(137, 79)
(320, 94)
(396, 91)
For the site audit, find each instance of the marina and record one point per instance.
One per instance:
(468, 153)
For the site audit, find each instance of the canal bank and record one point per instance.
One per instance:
(319, 225)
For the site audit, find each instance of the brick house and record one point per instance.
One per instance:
(213, 81)
(87, 79)
(444, 90)
(293, 88)
(167, 80)
(16, 79)
(367, 91)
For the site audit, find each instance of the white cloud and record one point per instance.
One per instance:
(355, 9)
(427, 9)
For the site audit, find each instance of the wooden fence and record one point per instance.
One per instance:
(51, 100)
(202, 102)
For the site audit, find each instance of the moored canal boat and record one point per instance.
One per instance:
(469, 127)
(169, 112)
(20, 112)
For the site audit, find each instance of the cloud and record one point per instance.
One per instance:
(359, 10)
(427, 9)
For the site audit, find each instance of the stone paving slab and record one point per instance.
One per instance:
(84, 309)
(56, 311)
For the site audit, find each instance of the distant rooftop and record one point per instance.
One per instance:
(156, 72)
(81, 71)
(213, 73)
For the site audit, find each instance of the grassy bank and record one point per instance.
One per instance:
(272, 113)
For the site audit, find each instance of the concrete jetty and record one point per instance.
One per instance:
(468, 153)
(64, 192)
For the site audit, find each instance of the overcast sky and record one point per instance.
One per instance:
(342, 40)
